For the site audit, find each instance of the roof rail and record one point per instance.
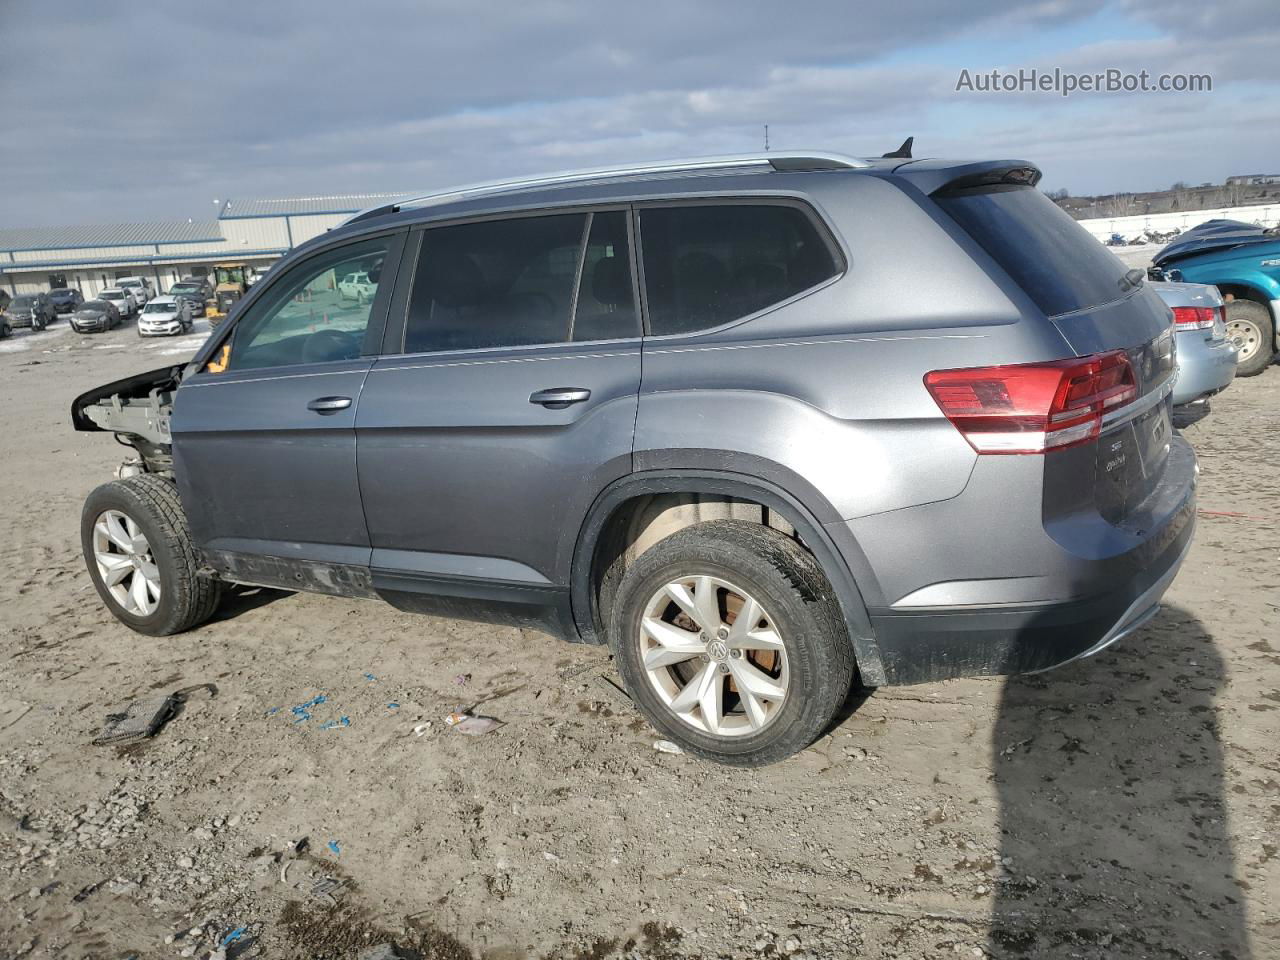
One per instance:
(776, 161)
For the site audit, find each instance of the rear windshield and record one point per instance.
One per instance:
(1050, 256)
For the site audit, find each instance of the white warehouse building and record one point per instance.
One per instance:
(92, 258)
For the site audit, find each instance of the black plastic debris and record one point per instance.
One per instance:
(143, 718)
(137, 721)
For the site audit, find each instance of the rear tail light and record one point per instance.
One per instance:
(1034, 407)
(1194, 318)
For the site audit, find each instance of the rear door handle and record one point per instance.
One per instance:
(327, 405)
(557, 398)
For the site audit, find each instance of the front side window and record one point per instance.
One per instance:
(705, 265)
(304, 317)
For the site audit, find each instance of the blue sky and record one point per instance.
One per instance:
(152, 110)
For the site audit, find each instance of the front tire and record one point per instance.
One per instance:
(141, 558)
(1249, 324)
(746, 692)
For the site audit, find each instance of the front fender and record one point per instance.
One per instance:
(1250, 271)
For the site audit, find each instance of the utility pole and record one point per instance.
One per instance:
(766, 138)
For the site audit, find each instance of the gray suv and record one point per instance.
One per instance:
(764, 425)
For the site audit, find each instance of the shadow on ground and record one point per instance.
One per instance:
(1113, 823)
(238, 600)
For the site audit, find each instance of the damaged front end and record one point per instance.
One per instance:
(137, 410)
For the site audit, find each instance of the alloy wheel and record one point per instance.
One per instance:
(714, 657)
(125, 563)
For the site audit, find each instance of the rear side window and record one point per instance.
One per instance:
(1051, 257)
(606, 307)
(709, 264)
(524, 281)
(495, 284)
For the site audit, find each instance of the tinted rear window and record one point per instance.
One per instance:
(1050, 256)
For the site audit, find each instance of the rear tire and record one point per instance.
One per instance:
(1250, 323)
(795, 653)
(164, 547)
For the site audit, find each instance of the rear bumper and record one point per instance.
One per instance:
(1079, 584)
(1205, 367)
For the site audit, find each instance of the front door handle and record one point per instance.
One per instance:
(328, 405)
(557, 398)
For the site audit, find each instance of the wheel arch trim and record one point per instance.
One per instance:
(739, 486)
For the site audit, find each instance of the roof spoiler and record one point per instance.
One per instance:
(938, 176)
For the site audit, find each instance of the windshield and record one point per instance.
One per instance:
(230, 274)
(93, 305)
(184, 288)
(154, 307)
(22, 303)
(126, 284)
(61, 292)
(1050, 256)
(113, 295)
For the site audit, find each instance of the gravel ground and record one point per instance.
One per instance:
(1126, 806)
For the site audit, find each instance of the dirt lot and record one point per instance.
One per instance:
(1127, 806)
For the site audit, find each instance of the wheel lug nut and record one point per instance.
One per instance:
(722, 633)
(704, 658)
(724, 668)
(735, 653)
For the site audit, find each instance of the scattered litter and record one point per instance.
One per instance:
(1232, 513)
(461, 679)
(86, 892)
(340, 722)
(393, 705)
(233, 936)
(334, 848)
(370, 677)
(303, 710)
(421, 728)
(666, 746)
(324, 889)
(137, 721)
(471, 726)
(273, 711)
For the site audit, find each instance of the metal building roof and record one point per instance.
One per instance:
(109, 235)
(303, 206)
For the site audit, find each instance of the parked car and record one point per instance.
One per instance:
(4, 300)
(96, 316)
(5, 329)
(165, 316)
(195, 291)
(122, 299)
(1243, 261)
(34, 310)
(819, 472)
(1206, 355)
(140, 287)
(357, 286)
(65, 299)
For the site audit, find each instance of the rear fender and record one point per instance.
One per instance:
(835, 559)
